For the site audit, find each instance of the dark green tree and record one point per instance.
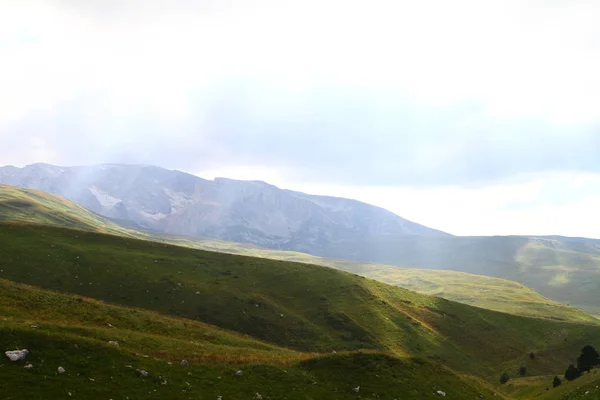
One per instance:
(504, 378)
(572, 373)
(523, 371)
(556, 382)
(588, 359)
(532, 355)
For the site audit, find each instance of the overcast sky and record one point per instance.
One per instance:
(470, 116)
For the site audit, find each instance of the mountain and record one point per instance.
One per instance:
(255, 212)
(18, 205)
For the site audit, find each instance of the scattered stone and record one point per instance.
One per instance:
(239, 373)
(17, 355)
(141, 372)
(184, 363)
(61, 370)
(356, 389)
(113, 342)
(334, 352)
(164, 382)
(258, 396)
(197, 293)
(28, 366)
(219, 397)
(441, 393)
(34, 326)
(281, 315)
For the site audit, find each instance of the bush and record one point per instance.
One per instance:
(532, 356)
(556, 382)
(504, 378)
(572, 373)
(588, 359)
(523, 371)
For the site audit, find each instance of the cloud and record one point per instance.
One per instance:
(417, 94)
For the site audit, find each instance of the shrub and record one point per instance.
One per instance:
(572, 373)
(504, 378)
(556, 382)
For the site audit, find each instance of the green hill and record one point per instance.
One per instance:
(75, 332)
(298, 306)
(563, 269)
(23, 205)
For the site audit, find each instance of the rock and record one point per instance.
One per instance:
(61, 370)
(113, 342)
(34, 326)
(141, 372)
(239, 373)
(164, 382)
(184, 363)
(17, 355)
(356, 389)
(443, 394)
(28, 366)
(258, 396)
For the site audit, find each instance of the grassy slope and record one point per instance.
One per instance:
(34, 206)
(23, 205)
(563, 269)
(298, 306)
(73, 332)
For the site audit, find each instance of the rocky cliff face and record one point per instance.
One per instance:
(244, 211)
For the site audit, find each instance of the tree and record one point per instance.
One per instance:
(588, 359)
(532, 355)
(504, 378)
(523, 371)
(572, 373)
(556, 382)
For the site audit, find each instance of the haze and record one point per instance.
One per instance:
(472, 117)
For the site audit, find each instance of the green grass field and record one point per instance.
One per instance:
(24, 205)
(296, 330)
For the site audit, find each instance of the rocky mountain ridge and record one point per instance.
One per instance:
(255, 212)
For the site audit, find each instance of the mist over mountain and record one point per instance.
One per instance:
(244, 211)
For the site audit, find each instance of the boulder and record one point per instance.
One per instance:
(17, 355)
(61, 370)
(443, 394)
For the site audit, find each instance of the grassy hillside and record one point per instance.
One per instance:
(303, 307)
(33, 206)
(562, 269)
(74, 332)
(23, 205)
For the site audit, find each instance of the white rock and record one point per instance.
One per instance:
(28, 366)
(239, 373)
(143, 373)
(443, 394)
(113, 342)
(356, 389)
(184, 363)
(17, 355)
(61, 370)
(258, 396)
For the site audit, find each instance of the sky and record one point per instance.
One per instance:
(473, 117)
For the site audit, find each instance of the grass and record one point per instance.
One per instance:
(31, 206)
(297, 306)
(74, 332)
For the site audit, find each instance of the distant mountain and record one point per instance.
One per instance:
(243, 211)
